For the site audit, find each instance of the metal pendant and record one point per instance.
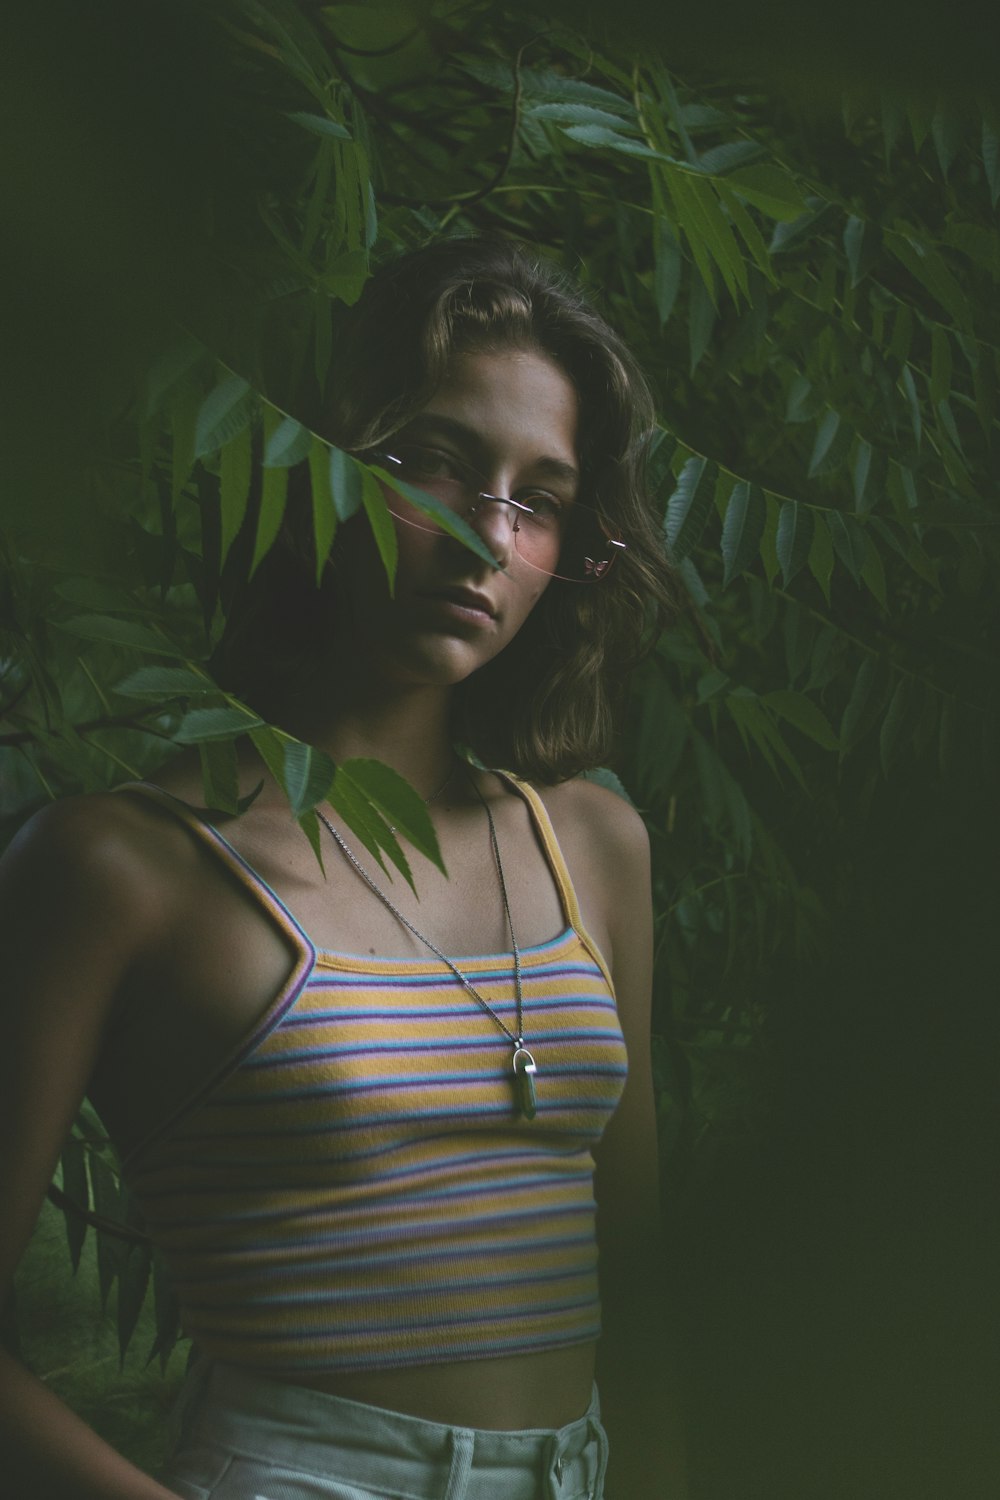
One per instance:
(524, 1082)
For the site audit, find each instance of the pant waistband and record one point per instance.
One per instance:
(258, 1419)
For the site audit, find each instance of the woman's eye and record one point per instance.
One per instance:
(427, 463)
(544, 506)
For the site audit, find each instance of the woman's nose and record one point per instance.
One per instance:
(495, 519)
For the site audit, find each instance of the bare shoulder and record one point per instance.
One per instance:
(583, 812)
(100, 857)
(606, 847)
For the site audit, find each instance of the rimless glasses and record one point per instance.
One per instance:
(556, 535)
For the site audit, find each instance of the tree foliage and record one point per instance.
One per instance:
(813, 292)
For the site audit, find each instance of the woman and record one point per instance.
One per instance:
(364, 1126)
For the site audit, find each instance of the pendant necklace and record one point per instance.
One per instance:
(522, 1063)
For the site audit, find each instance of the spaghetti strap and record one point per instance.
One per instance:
(305, 952)
(235, 862)
(557, 865)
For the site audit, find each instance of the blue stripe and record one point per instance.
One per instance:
(431, 1293)
(362, 1236)
(504, 1111)
(394, 1148)
(340, 1087)
(374, 1257)
(471, 1320)
(468, 958)
(287, 1058)
(366, 1013)
(476, 1348)
(442, 976)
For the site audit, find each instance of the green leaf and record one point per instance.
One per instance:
(667, 272)
(749, 715)
(859, 705)
(769, 539)
(165, 682)
(873, 573)
(568, 113)
(345, 277)
(929, 268)
(398, 803)
(235, 465)
(799, 632)
(854, 241)
(310, 825)
(165, 1311)
(380, 520)
(323, 512)
(214, 724)
(108, 1204)
(891, 737)
(717, 161)
(912, 400)
(742, 529)
(794, 538)
(701, 321)
(860, 472)
(707, 230)
(307, 776)
(368, 823)
(273, 496)
(287, 444)
(803, 714)
(821, 556)
(946, 131)
(940, 365)
(77, 1189)
(223, 414)
(849, 542)
(724, 800)
(689, 507)
(770, 189)
(133, 1280)
(270, 746)
(750, 234)
(346, 478)
(220, 776)
(792, 234)
(321, 125)
(120, 633)
(431, 506)
(902, 336)
(981, 245)
(600, 135)
(183, 416)
(825, 434)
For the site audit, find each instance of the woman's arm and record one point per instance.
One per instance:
(78, 907)
(635, 1353)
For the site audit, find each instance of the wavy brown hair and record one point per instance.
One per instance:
(545, 707)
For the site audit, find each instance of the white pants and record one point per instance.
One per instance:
(243, 1437)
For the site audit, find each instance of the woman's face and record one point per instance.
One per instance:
(512, 416)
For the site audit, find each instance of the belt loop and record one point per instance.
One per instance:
(599, 1434)
(462, 1445)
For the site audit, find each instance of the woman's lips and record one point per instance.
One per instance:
(462, 603)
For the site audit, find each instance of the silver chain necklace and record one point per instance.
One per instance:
(522, 1063)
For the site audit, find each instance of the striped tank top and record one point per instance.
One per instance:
(354, 1189)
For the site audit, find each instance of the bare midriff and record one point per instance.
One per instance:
(548, 1389)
